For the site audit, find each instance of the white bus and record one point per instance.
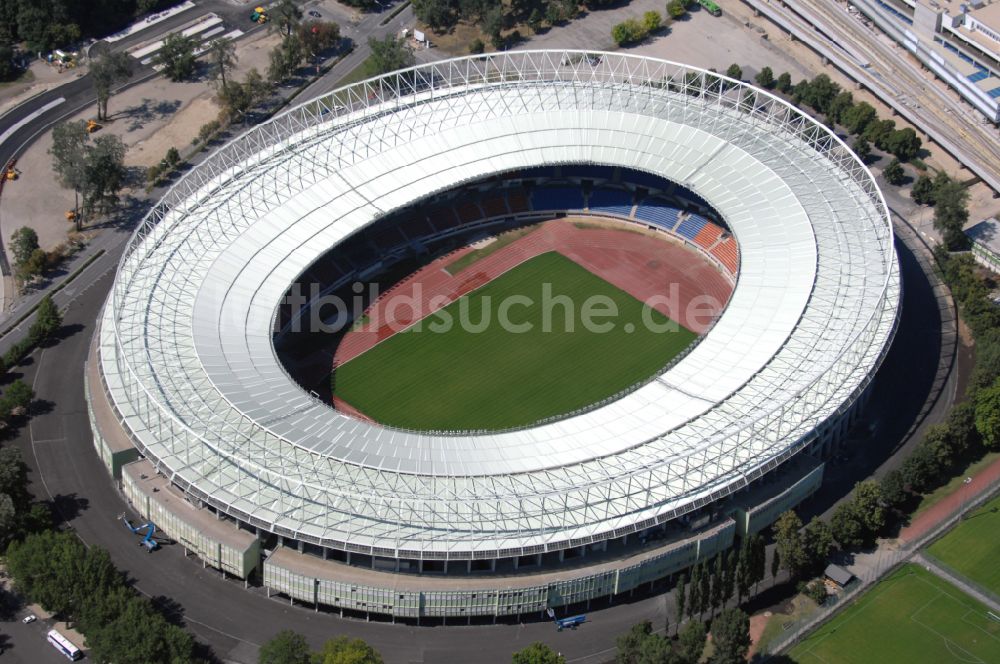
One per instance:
(62, 644)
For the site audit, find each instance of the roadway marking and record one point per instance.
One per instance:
(29, 117)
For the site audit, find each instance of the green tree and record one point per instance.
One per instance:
(317, 36)
(731, 637)
(285, 59)
(923, 191)
(537, 653)
(17, 399)
(8, 519)
(734, 71)
(388, 54)
(69, 156)
(493, 23)
(729, 576)
(894, 173)
(438, 14)
(820, 93)
(106, 71)
(903, 143)
(23, 242)
(758, 558)
(718, 581)
(951, 212)
(704, 587)
(847, 526)
(14, 476)
(651, 21)
(839, 106)
(176, 56)
(286, 15)
(48, 320)
(535, 19)
(862, 148)
(44, 565)
(744, 577)
(784, 83)
(630, 644)
(222, 58)
(816, 591)
(817, 542)
(8, 70)
(765, 78)
(676, 8)
(679, 597)
(629, 31)
(105, 174)
(691, 643)
(788, 540)
(343, 650)
(554, 13)
(870, 506)
(285, 647)
(857, 118)
(694, 600)
(988, 415)
(878, 131)
(140, 635)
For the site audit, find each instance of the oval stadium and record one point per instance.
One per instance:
(359, 459)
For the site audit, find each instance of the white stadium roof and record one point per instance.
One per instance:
(186, 339)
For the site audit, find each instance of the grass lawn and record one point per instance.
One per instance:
(972, 548)
(496, 379)
(500, 242)
(911, 617)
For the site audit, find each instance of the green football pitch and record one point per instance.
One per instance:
(492, 378)
(910, 618)
(972, 548)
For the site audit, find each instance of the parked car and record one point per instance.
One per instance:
(315, 14)
(30, 618)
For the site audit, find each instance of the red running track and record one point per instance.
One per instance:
(688, 288)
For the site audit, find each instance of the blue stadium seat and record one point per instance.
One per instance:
(557, 198)
(611, 201)
(657, 212)
(690, 226)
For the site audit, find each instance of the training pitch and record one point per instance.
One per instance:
(466, 378)
(972, 548)
(912, 616)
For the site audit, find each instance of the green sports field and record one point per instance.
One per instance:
(910, 618)
(497, 379)
(972, 548)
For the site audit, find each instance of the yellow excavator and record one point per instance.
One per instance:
(259, 15)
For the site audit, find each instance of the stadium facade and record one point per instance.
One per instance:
(209, 436)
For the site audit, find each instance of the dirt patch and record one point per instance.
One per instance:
(178, 132)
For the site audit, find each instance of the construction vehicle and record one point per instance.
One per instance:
(70, 215)
(11, 173)
(147, 541)
(92, 126)
(570, 623)
(259, 15)
(710, 7)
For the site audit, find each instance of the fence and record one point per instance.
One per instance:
(885, 560)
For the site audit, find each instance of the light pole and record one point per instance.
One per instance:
(965, 497)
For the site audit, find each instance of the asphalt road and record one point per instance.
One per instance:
(26, 644)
